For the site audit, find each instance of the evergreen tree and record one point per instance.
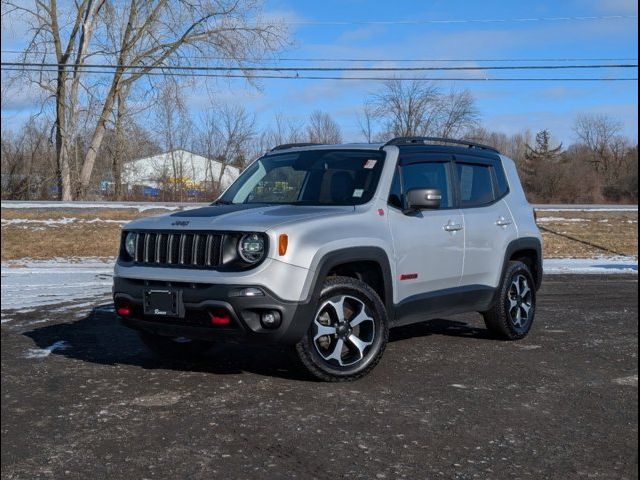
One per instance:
(541, 153)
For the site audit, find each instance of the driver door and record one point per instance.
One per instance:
(428, 245)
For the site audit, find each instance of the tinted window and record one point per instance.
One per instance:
(475, 185)
(279, 185)
(309, 177)
(503, 185)
(395, 193)
(428, 175)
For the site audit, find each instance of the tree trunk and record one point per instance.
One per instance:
(96, 142)
(62, 141)
(119, 150)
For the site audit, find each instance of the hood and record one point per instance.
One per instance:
(242, 217)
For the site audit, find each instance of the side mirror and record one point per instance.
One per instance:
(424, 199)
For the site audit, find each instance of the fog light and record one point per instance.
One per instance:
(246, 292)
(123, 311)
(270, 319)
(220, 318)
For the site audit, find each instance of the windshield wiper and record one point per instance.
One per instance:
(222, 202)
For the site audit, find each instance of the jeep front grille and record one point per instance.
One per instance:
(183, 249)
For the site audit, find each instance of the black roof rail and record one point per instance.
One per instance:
(424, 140)
(285, 146)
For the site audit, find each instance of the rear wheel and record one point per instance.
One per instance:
(348, 334)
(512, 315)
(174, 347)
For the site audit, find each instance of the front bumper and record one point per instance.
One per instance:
(201, 299)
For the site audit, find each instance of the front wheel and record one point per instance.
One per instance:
(512, 315)
(348, 334)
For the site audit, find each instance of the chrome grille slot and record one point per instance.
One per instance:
(150, 248)
(194, 250)
(199, 249)
(213, 254)
(174, 248)
(140, 247)
(186, 245)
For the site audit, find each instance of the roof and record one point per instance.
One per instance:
(180, 164)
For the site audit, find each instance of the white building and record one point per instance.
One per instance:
(194, 171)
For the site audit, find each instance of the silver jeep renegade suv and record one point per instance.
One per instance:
(326, 247)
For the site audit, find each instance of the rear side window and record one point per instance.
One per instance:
(501, 180)
(429, 175)
(475, 185)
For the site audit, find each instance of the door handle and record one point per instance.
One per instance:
(503, 222)
(452, 227)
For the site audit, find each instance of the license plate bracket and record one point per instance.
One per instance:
(163, 303)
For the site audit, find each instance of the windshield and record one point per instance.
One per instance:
(310, 177)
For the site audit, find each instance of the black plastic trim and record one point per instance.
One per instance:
(413, 140)
(198, 297)
(351, 255)
(286, 146)
(525, 244)
(450, 301)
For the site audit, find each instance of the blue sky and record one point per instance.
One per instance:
(505, 106)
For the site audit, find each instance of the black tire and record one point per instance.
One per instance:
(174, 348)
(364, 332)
(502, 320)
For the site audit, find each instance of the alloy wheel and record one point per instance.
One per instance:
(344, 330)
(520, 301)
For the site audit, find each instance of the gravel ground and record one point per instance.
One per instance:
(82, 398)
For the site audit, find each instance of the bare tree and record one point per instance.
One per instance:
(366, 121)
(323, 129)
(457, 114)
(175, 130)
(28, 162)
(598, 133)
(283, 130)
(149, 34)
(418, 108)
(160, 32)
(226, 137)
(65, 33)
(406, 107)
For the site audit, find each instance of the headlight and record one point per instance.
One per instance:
(130, 244)
(251, 248)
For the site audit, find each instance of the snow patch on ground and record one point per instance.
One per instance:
(562, 219)
(141, 207)
(600, 265)
(28, 284)
(631, 381)
(45, 352)
(51, 222)
(594, 209)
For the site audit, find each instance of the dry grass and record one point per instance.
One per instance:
(84, 237)
(589, 234)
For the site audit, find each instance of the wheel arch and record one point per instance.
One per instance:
(529, 251)
(356, 262)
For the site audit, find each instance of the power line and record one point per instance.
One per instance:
(580, 18)
(399, 60)
(307, 77)
(90, 66)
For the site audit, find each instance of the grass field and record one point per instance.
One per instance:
(44, 233)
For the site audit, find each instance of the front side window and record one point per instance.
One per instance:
(311, 177)
(429, 175)
(475, 185)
